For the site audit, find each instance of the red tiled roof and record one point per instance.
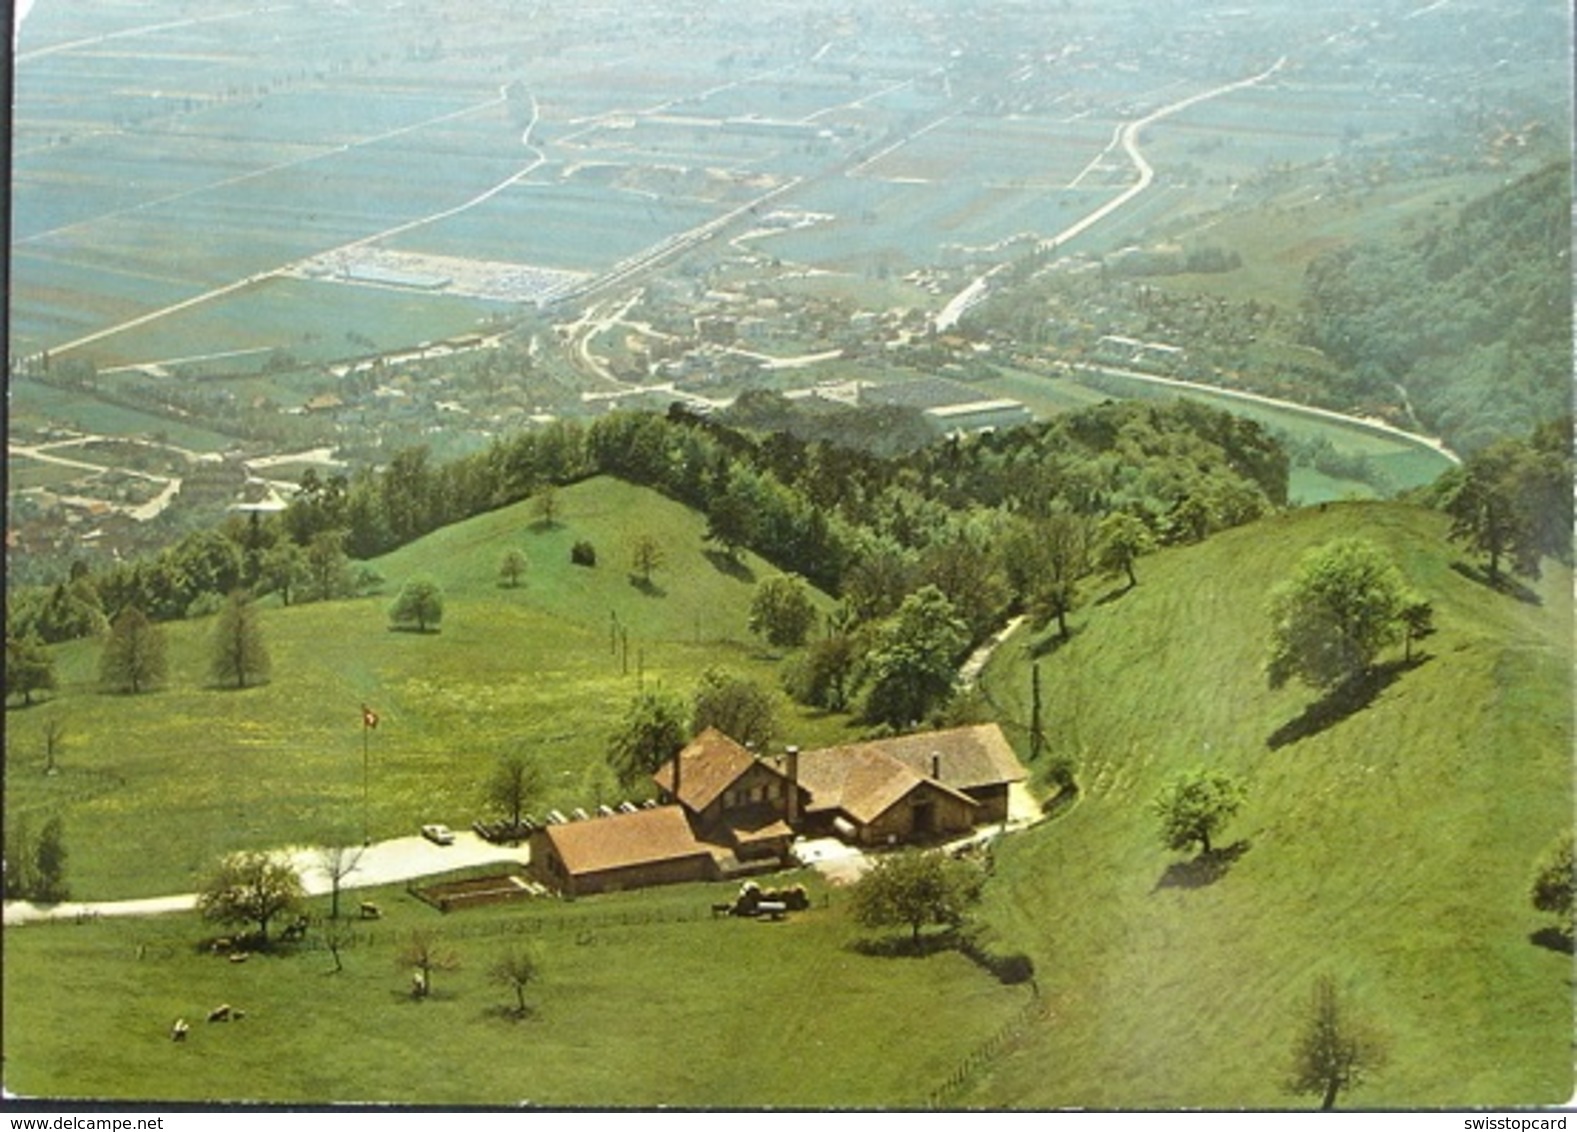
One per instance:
(756, 823)
(709, 765)
(861, 781)
(643, 837)
(964, 758)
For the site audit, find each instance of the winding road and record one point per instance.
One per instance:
(979, 288)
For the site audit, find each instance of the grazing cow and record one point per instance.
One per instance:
(221, 945)
(220, 1013)
(370, 911)
(178, 1031)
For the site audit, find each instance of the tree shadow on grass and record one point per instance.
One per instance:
(439, 995)
(647, 586)
(1203, 870)
(511, 1014)
(1110, 596)
(730, 565)
(1505, 584)
(906, 947)
(1552, 939)
(1053, 641)
(1340, 702)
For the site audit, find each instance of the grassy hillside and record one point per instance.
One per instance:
(644, 1000)
(153, 787)
(1391, 849)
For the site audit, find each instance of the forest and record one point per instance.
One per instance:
(1471, 323)
(863, 527)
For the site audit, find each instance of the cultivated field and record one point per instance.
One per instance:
(529, 146)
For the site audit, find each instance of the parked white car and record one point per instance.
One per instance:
(438, 834)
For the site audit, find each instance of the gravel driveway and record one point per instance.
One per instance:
(385, 862)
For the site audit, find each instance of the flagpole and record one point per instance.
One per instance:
(368, 722)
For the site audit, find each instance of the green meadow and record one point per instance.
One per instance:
(1390, 848)
(644, 1000)
(154, 787)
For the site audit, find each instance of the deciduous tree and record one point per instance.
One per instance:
(652, 732)
(913, 888)
(29, 667)
(512, 567)
(912, 664)
(1335, 1050)
(240, 655)
(424, 953)
(515, 969)
(49, 863)
(1332, 618)
(515, 781)
(337, 863)
(646, 556)
(1120, 540)
(1512, 503)
(1193, 806)
(823, 675)
(326, 565)
(1553, 881)
(419, 606)
(730, 522)
(781, 611)
(548, 506)
(250, 888)
(133, 659)
(283, 570)
(739, 708)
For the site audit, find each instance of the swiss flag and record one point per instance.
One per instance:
(369, 718)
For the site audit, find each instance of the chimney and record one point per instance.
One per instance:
(678, 758)
(936, 765)
(791, 768)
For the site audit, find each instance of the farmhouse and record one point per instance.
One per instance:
(911, 787)
(725, 811)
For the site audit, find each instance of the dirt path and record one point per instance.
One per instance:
(969, 674)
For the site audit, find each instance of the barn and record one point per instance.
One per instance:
(868, 797)
(626, 850)
(976, 761)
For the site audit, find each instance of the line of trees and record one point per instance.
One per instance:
(852, 524)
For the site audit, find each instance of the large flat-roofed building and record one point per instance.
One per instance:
(978, 416)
